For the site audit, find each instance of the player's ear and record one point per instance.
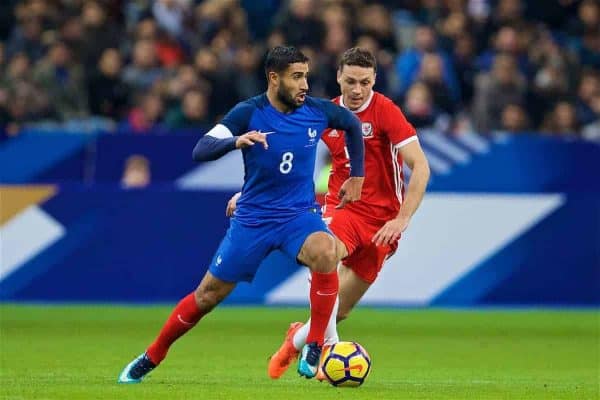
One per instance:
(339, 76)
(273, 77)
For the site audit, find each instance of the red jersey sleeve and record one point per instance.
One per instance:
(395, 125)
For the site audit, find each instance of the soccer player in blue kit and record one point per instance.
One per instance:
(278, 133)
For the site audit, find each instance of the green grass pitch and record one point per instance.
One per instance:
(77, 352)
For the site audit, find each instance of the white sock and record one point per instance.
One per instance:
(331, 335)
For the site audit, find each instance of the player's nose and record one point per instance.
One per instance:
(304, 85)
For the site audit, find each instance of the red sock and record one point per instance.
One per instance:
(183, 318)
(323, 292)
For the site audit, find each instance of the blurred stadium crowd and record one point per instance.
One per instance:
(142, 66)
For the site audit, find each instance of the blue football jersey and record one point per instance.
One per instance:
(278, 181)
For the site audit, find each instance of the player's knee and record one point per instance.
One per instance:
(322, 256)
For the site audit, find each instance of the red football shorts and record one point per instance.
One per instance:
(356, 232)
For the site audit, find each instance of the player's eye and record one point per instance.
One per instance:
(365, 83)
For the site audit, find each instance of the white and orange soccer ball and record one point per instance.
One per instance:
(346, 364)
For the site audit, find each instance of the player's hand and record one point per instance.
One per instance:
(232, 204)
(390, 232)
(250, 138)
(350, 190)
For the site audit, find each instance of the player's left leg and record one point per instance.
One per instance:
(352, 289)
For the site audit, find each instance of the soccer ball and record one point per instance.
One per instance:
(346, 364)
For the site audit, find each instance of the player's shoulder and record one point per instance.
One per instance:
(318, 103)
(257, 102)
(382, 101)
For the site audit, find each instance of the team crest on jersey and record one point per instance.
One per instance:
(312, 136)
(334, 133)
(367, 129)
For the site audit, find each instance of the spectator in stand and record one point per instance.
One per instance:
(587, 18)
(136, 173)
(431, 74)
(26, 38)
(21, 100)
(249, 80)
(62, 78)
(562, 120)
(496, 89)
(191, 116)
(301, 25)
(464, 64)
(514, 119)
(144, 70)
(222, 91)
(420, 109)
(588, 94)
(506, 41)
(146, 117)
(170, 15)
(100, 33)
(375, 20)
(110, 95)
(408, 63)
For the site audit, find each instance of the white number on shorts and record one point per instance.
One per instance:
(286, 162)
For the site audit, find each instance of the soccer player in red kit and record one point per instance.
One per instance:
(367, 231)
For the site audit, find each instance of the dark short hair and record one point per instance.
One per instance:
(280, 57)
(358, 57)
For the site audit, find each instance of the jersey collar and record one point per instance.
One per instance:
(361, 108)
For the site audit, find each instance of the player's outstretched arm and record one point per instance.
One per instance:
(414, 157)
(219, 141)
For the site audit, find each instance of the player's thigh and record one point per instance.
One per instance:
(352, 289)
(341, 223)
(211, 291)
(307, 239)
(367, 261)
(241, 252)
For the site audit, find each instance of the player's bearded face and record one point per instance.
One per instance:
(293, 85)
(356, 84)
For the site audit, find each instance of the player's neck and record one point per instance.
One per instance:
(276, 103)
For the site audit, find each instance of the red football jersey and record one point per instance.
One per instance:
(385, 130)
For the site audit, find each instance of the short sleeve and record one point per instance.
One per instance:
(396, 126)
(238, 118)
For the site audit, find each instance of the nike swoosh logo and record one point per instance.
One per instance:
(266, 133)
(357, 367)
(182, 321)
(326, 294)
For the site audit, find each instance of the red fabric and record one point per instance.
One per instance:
(169, 54)
(384, 127)
(183, 318)
(355, 231)
(323, 293)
